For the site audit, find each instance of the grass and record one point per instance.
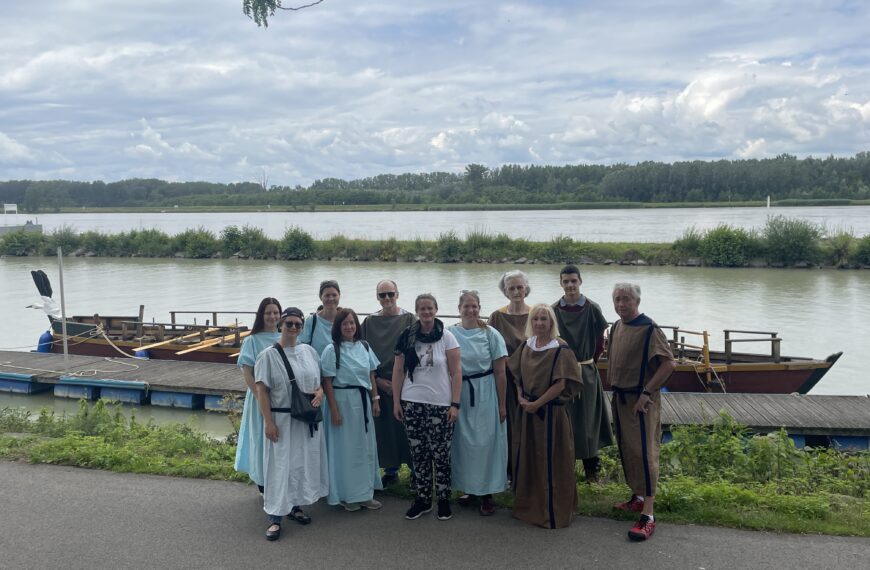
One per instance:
(716, 475)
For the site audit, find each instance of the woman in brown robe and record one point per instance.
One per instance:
(547, 377)
(510, 321)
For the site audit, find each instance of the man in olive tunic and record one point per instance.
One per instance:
(582, 325)
(640, 361)
(381, 330)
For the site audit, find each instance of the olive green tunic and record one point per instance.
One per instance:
(589, 411)
(382, 332)
(544, 485)
(513, 330)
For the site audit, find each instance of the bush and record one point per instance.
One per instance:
(862, 251)
(197, 244)
(725, 246)
(99, 244)
(448, 248)
(21, 243)
(296, 244)
(560, 248)
(838, 248)
(253, 243)
(150, 243)
(66, 238)
(689, 244)
(790, 240)
(231, 241)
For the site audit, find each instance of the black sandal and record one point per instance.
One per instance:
(273, 534)
(297, 515)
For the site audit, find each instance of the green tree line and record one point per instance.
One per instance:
(782, 178)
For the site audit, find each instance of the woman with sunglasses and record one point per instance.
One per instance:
(264, 333)
(294, 454)
(348, 366)
(318, 327)
(427, 377)
(479, 451)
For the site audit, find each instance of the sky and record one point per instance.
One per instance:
(194, 90)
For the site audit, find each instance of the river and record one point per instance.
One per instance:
(628, 225)
(816, 312)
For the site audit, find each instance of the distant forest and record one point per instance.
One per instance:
(782, 178)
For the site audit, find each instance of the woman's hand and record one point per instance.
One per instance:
(376, 408)
(452, 415)
(318, 398)
(335, 417)
(271, 430)
(529, 407)
(502, 413)
(398, 413)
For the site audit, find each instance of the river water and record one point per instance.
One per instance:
(629, 225)
(816, 312)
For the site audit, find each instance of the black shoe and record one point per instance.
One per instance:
(418, 509)
(273, 534)
(297, 515)
(388, 479)
(444, 513)
(466, 500)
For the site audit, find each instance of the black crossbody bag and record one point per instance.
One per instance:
(300, 403)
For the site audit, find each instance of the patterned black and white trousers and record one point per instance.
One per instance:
(429, 437)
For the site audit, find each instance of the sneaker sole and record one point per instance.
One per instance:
(447, 518)
(372, 508)
(410, 518)
(639, 537)
(352, 508)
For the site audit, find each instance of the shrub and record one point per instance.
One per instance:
(254, 243)
(689, 244)
(231, 241)
(150, 243)
(838, 248)
(790, 240)
(296, 244)
(98, 243)
(66, 238)
(725, 246)
(560, 248)
(862, 251)
(336, 246)
(21, 243)
(197, 244)
(448, 248)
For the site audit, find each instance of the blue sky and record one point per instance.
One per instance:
(193, 90)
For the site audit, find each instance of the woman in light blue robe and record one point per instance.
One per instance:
(318, 326)
(479, 452)
(264, 333)
(348, 420)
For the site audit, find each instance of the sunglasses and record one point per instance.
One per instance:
(293, 324)
(386, 294)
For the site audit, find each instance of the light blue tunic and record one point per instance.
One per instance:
(249, 451)
(479, 452)
(351, 448)
(322, 333)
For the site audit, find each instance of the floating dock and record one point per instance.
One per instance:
(839, 421)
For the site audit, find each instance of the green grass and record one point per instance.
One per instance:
(716, 475)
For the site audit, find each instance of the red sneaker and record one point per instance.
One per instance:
(633, 505)
(642, 529)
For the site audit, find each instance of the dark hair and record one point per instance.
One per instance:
(337, 337)
(422, 297)
(569, 270)
(258, 320)
(329, 283)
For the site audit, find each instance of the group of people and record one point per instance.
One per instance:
(479, 407)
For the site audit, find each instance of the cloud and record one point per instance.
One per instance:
(99, 89)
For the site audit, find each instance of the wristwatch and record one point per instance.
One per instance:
(454, 405)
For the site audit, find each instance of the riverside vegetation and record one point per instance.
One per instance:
(718, 474)
(782, 242)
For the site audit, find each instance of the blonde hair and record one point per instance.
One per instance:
(542, 308)
(476, 296)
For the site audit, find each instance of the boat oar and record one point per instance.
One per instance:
(212, 342)
(175, 339)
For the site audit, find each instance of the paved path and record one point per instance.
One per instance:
(64, 517)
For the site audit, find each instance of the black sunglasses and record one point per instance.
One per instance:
(386, 294)
(293, 324)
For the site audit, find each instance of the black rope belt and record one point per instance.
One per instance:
(363, 392)
(540, 413)
(621, 392)
(471, 386)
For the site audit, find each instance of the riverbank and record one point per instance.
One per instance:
(781, 242)
(716, 475)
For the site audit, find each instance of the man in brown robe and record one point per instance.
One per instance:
(582, 325)
(381, 330)
(640, 361)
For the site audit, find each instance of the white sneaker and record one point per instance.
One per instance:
(351, 507)
(371, 505)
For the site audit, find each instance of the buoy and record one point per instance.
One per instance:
(45, 340)
(142, 354)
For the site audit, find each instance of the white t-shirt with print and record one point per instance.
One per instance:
(431, 383)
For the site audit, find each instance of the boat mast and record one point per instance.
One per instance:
(63, 310)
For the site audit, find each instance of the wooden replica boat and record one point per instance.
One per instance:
(699, 369)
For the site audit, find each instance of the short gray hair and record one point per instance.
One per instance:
(633, 288)
(511, 275)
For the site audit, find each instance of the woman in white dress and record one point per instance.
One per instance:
(294, 452)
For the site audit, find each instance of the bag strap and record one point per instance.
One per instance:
(289, 368)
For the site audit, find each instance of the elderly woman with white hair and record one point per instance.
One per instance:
(510, 321)
(547, 377)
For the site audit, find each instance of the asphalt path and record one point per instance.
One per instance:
(64, 517)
